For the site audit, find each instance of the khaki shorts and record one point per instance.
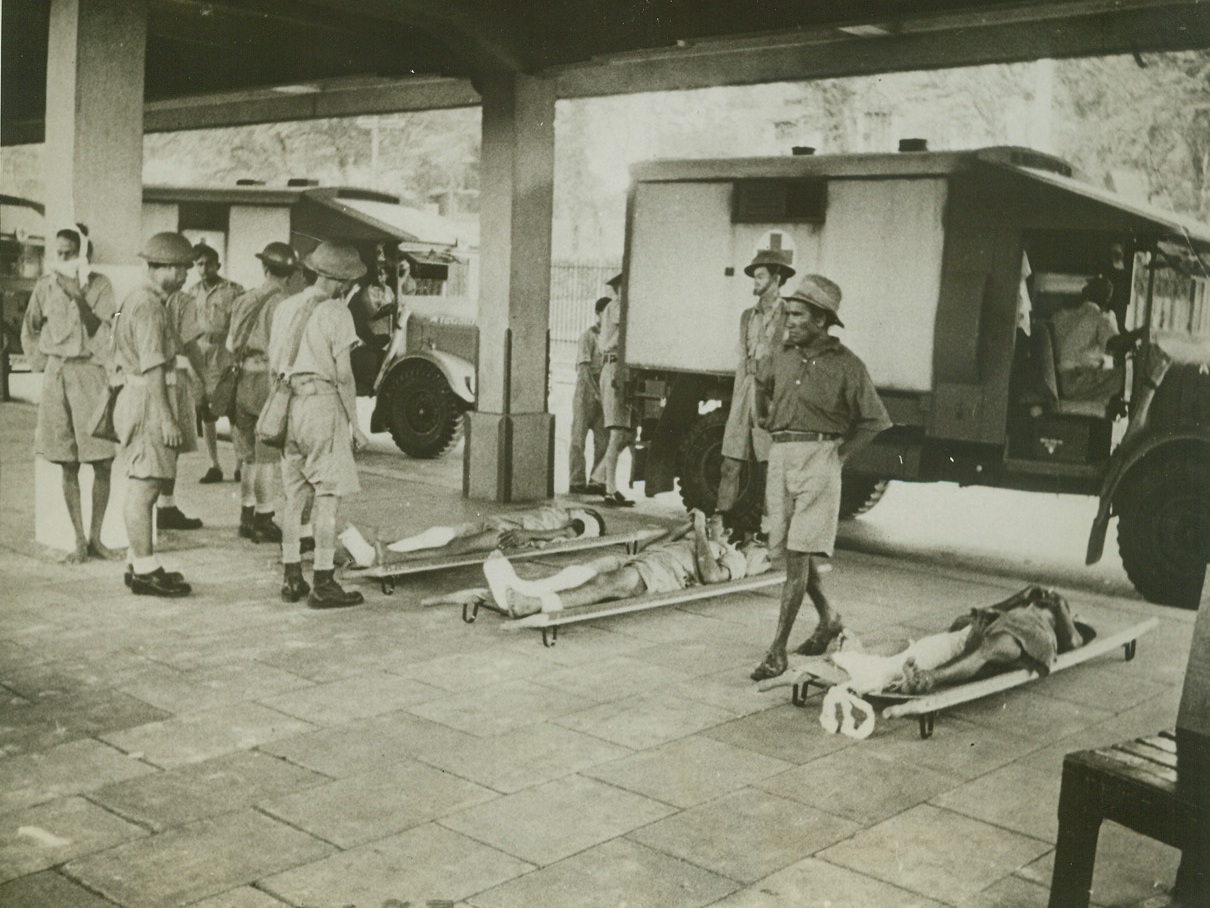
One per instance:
(147, 457)
(73, 392)
(216, 358)
(250, 395)
(319, 450)
(661, 571)
(613, 403)
(802, 496)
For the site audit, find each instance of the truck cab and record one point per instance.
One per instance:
(953, 266)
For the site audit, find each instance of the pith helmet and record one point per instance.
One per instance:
(333, 260)
(816, 290)
(280, 254)
(168, 249)
(773, 259)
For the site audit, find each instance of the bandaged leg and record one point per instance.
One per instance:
(837, 714)
(361, 550)
(432, 538)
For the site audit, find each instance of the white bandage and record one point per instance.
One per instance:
(839, 704)
(362, 551)
(433, 538)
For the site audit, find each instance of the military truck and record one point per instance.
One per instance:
(951, 265)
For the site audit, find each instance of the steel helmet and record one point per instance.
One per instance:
(167, 249)
(336, 261)
(280, 254)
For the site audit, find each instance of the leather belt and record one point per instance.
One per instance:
(610, 357)
(306, 384)
(794, 435)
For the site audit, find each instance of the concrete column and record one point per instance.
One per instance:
(510, 438)
(93, 175)
(94, 122)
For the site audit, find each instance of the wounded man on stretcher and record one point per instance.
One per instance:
(694, 555)
(508, 532)
(1027, 630)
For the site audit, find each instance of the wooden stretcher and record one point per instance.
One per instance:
(550, 622)
(423, 562)
(823, 674)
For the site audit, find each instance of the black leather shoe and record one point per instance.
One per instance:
(580, 488)
(214, 474)
(327, 593)
(128, 577)
(618, 500)
(160, 583)
(595, 488)
(293, 587)
(172, 519)
(247, 516)
(265, 530)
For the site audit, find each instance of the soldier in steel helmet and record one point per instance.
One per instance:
(248, 342)
(761, 328)
(322, 432)
(145, 417)
(816, 399)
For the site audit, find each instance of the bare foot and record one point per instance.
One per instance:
(817, 643)
(915, 680)
(774, 664)
(519, 604)
(101, 552)
(80, 555)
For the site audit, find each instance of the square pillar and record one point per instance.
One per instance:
(510, 439)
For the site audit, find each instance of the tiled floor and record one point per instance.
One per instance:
(232, 751)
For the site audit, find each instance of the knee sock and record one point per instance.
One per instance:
(325, 559)
(167, 501)
(146, 565)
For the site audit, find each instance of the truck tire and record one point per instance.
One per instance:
(424, 416)
(859, 493)
(1164, 528)
(701, 458)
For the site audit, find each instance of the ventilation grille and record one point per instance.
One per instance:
(779, 201)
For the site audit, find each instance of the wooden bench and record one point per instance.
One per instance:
(1157, 786)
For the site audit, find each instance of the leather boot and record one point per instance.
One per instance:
(247, 514)
(329, 594)
(264, 529)
(293, 587)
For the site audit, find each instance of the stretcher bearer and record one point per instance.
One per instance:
(819, 404)
(322, 429)
(761, 327)
(248, 342)
(147, 424)
(66, 335)
(215, 297)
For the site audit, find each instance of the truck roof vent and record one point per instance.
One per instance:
(780, 201)
(913, 144)
(301, 181)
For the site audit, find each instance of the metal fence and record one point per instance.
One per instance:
(574, 288)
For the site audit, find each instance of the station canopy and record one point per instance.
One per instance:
(311, 58)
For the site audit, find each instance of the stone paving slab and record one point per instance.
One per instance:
(784, 732)
(1011, 892)
(812, 883)
(200, 790)
(688, 771)
(47, 722)
(243, 897)
(613, 679)
(193, 737)
(523, 757)
(553, 821)
(209, 688)
(352, 698)
(65, 770)
(615, 873)
(49, 890)
(644, 722)
(40, 837)
(349, 812)
(427, 862)
(936, 853)
(501, 708)
(745, 835)
(859, 782)
(193, 862)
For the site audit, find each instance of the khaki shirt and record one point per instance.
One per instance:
(52, 323)
(588, 351)
(328, 333)
(608, 340)
(825, 390)
(765, 328)
(252, 319)
(181, 309)
(143, 336)
(214, 306)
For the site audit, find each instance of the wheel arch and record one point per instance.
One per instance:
(457, 372)
(1127, 461)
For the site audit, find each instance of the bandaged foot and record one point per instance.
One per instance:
(817, 643)
(432, 538)
(500, 576)
(519, 604)
(774, 664)
(916, 680)
(843, 711)
(363, 553)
